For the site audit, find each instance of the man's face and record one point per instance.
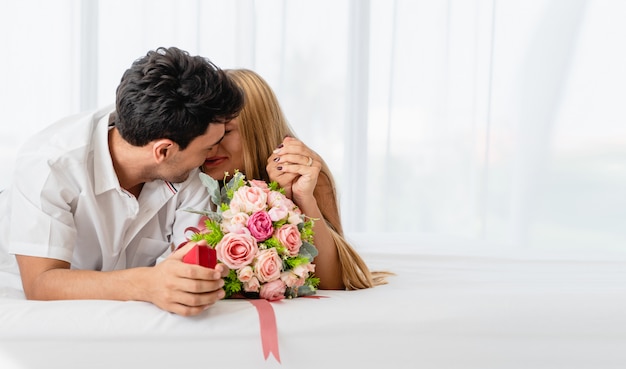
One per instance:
(178, 167)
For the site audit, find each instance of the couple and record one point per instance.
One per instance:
(98, 197)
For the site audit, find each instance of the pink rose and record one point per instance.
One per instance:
(249, 199)
(268, 265)
(289, 236)
(245, 274)
(303, 270)
(260, 184)
(277, 213)
(276, 198)
(292, 280)
(236, 250)
(253, 285)
(234, 222)
(273, 291)
(290, 204)
(260, 226)
(295, 216)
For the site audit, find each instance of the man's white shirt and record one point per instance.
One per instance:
(66, 203)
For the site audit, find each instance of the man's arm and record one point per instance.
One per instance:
(172, 285)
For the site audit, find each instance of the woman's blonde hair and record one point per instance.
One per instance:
(263, 127)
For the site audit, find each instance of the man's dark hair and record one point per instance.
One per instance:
(170, 94)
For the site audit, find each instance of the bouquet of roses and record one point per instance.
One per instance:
(262, 236)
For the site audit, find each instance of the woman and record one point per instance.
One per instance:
(261, 144)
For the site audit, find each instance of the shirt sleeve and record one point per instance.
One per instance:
(192, 195)
(42, 222)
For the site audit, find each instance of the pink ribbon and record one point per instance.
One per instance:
(269, 332)
(267, 321)
(199, 229)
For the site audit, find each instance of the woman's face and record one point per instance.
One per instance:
(227, 155)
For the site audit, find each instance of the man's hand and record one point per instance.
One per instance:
(172, 285)
(186, 289)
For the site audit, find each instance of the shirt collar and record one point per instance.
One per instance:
(105, 178)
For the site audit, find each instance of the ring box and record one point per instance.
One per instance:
(201, 255)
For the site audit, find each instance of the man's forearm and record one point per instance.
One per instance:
(67, 284)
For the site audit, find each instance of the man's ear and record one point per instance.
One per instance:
(163, 149)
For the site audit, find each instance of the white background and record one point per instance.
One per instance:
(448, 123)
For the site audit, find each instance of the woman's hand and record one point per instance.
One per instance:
(295, 167)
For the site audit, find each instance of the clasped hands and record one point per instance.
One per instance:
(295, 168)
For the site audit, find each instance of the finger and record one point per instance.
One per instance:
(294, 159)
(200, 299)
(292, 145)
(199, 272)
(222, 269)
(279, 175)
(292, 142)
(299, 169)
(184, 310)
(181, 252)
(200, 286)
(190, 305)
(284, 179)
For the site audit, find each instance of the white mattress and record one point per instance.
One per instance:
(440, 311)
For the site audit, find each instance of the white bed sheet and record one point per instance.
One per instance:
(440, 311)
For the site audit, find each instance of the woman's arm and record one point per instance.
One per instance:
(297, 168)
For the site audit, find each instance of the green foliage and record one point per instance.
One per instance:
(213, 234)
(295, 261)
(232, 285)
(312, 281)
(280, 223)
(273, 242)
(233, 185)
(308, 251)
(309, 288)
(306, 230)
(221, 195)
(212, 187)
(275, 187)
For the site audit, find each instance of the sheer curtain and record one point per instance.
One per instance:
(449, 124)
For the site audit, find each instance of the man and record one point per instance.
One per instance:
(98, 197)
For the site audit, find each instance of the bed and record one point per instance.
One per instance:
(439, 311)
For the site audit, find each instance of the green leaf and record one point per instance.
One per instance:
(273, 242)
(232, 186)
(306, 290)
(293, 262)
(214, 216)
(213, 234)
(308, 251)
(212, 187)
(201, 212)
(275, 187)
(232, 284)
(306, 230)
(312, 281)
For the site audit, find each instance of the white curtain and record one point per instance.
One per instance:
(448, 123)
